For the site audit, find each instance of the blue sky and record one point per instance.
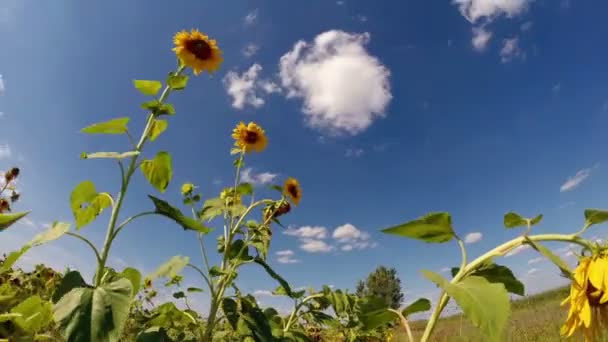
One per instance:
(384, 112)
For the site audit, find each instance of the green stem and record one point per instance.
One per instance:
(209, 284)
(297, 307)
(127, 221)
(497, 251)
(405, 324)
(125, 185)
(78, 236)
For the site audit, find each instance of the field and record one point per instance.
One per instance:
(535, 318)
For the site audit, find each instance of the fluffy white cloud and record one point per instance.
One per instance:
(354, 152)
(250, 50)
(573, 182)
(343, 87)
(511, 50)
(286, 257)
(316, 246)
(247, 175)
(308, 232)
(5, 151)
(481, 38)
(251, 17)
(473, 237)
(247, 88)
(474, 10)
(348, 233)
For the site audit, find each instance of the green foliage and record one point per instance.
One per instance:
(171, 268)
(94, 314)
(87, 204)
(374, 313)
(158, 108)
(513, 220)
(157, 128)
(148, 88)
(497, 274)
(114, 126)
(177, 82)
(7, 220)
(432, 228)
(420, 305)
(70, 281)
(484, 303)
(34, 313)
(557, 261)
(158, 171)
(595, 216)
(384, 284)
(134, 276)
(165, 209)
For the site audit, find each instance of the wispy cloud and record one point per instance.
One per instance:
(473, 237)
(354, 152)
(576, 180)
(532, 270)
(445, 270)
(250, 49)
(511, 50)
(481, 38)
(307, 232)
(247, 175)
(247, 88)
(251, 17)
(535, 260)
(518, 250)
(527, 26)
(343, 87)
(316, 246)
(1, 86)
(474, 10)
(263, 293)
(557, 87)
(5, 151)
(286, 256)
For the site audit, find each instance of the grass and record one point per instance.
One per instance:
(534, 318)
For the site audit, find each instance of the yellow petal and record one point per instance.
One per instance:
(597, 269)
(585, 314)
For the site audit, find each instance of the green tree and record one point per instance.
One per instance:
(384, 283)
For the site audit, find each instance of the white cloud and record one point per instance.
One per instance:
(262, 293)
(361, 18)
(532, 270)
(251, 17)
(474, 10)
(347, 247)
(247, 175)
(518, 250)
(445, 270)
(339, 2)
(245, 88)
(535, 260)
(307, 232)
(511, 50)
(1, 86)
(354, 152)
(343, 87)
(315, 246)
(573, 182)
(5, 151)
(481, 38)
(250, 50)
(348, 233)
(473, 237)
(286, 257)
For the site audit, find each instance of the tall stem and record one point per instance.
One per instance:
(124, 186)
(497, 251)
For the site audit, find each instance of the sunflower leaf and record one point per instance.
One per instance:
(87, 204)
(148, 88)
(420, 305)
(157, 128)
(114, 126)
(596, 216)
(158, 171)
(431, 228)
(177, 82)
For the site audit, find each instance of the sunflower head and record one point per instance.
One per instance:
(293, 190)
(197, 51)
(230, 197)
(250, 137)
(588, 298)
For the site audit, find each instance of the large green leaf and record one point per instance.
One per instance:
(561, 264)
(57, 230)
(157, 128)
(134, 277)
(230, 309)
(433, 228)
(70, 281)
(420, 305)
(497, 274)
(170, 268)
(373, 313)
(158, 171)
(148, 88)
(87, 204)
(94, 314)
(35, 314)
(513, 220)
(595, 216)
(177, 82)
(114, 126)
(6, 220)
(165, 209)
(12, 258)
(274, 275)
(244, 189)
(253, 322)
(484, 303)
(109, 155)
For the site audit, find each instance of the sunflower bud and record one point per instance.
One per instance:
(4, 206)
(11, 174)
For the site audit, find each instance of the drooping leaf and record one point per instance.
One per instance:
(373, 313)
(513, 220)
(256, 323)
(109, 155)
(114, 126)
(35, 314)
(94, 314)
(244, 189)
(70, 281)
(596, 216)
(157, 128)
(171, 268)
(557, 261)
(498, 274)
(274, 275)
(230, 309)
(57, 230)
(420, 305)
(12, 258)
(6, 220)
(134, 276)
(432, 228)
(484, 303)
(536, 220)
(211, 208)
(148, 88)
(188, 223)
(167, 315)
(158, 171)
(87, 204)
(177, 82)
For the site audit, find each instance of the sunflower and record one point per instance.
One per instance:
(250, 137)
(588, 298)
(197, 51)
(293, 190)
